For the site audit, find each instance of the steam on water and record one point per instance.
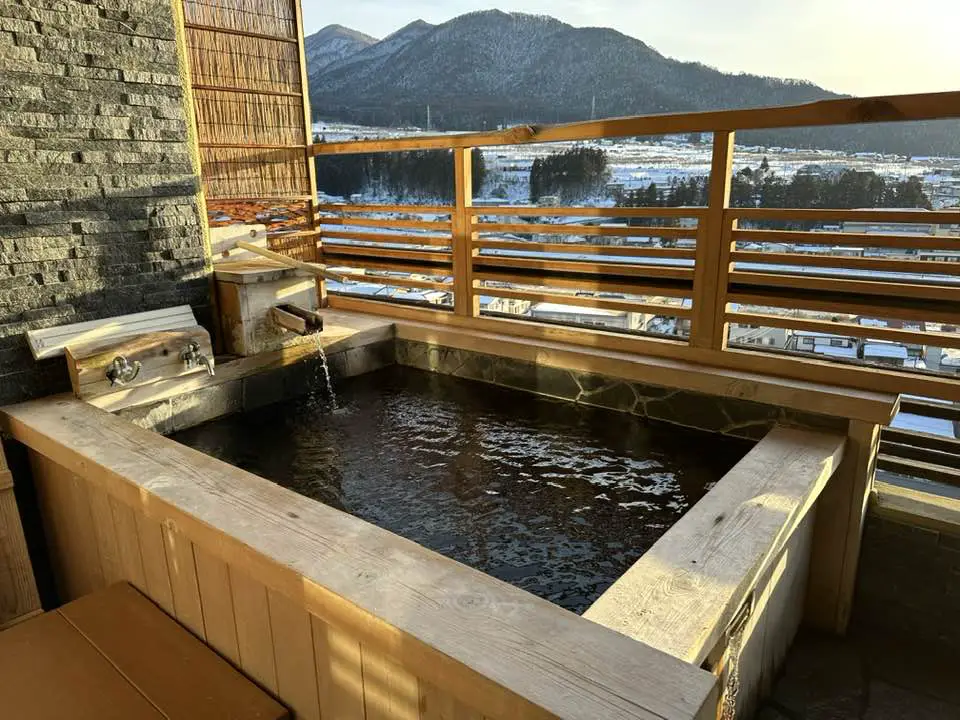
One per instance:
(326, 370)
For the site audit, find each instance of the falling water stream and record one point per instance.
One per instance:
(326, 370)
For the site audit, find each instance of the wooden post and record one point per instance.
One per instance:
(838, 530)
(19, 598)
(712, 263)
(465, 301)
(317, 253)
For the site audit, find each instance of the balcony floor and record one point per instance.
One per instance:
(864, 677)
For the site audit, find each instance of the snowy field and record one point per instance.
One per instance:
(635, 163)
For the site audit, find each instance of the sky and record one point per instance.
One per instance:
(859, 47)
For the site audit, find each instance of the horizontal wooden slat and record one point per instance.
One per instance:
(923, 454)
(586, 301)
(846, 111)
(332, 251)
(589, 268)
(918, 468)
(949, 340)
(856, 306)
(591, 230)
(386, 223)
(403, 267)
(411, 209)
(595, 284)
(578, 249)
(866, 240)
(872, 216)
(915, 267)
(399, 282)
(605, 212)
(922, 440)
(431, 240)
(843, 285)
(930, 409)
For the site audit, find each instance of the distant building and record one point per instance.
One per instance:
(576, 315)
(508, 306)
(743, 334)
(837, 346)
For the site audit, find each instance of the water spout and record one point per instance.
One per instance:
(297, 319)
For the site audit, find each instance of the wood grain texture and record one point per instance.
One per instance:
(18, 588)
(389, 691)
(157, 352)
(182, 570)
(101, 517)
(682, 593)
(128, 544)
(153, 553)
(710, 275)
(293, 652)
(216, 599)
(339, 672)
(436, 704)
(417, 610)
(838, 531)
(254, 631)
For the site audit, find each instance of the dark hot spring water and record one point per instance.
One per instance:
(556, 498)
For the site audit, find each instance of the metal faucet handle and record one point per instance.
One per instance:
(192, 357)
(121, 371)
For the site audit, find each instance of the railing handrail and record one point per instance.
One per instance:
(844, 111)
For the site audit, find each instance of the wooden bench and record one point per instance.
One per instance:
(114, 654)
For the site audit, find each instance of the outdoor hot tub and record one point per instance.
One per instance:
(556, 498)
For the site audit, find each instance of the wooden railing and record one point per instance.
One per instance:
(702, 280)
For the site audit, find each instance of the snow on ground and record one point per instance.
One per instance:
(637, 163)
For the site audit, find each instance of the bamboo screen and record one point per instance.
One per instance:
(253, 126)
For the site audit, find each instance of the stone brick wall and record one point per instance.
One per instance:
(908, 583)
(98, 206)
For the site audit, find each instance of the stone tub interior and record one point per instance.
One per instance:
(556, 498)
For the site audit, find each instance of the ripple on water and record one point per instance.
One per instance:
(555, 498)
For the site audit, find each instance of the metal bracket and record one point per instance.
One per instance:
(121, 371)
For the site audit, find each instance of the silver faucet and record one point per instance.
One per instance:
(121, 371)
(192, 357)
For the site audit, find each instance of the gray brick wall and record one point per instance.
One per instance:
(98, 210)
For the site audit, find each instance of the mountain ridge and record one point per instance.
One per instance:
(491, 68)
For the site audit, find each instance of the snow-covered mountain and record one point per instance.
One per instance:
(493, 68)
(332, 44)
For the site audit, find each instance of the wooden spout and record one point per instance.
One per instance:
(296, 319)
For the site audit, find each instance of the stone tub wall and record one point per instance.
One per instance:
(739, 418)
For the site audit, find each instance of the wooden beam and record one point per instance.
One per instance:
(899, 265)
(386, 223)
(916, 439)
(839, 284)
(586, 301)
(682, 594)
(411, 209)
(603, 212)
(917, 508)
(851, 305)
(586, 230)
(430, 240)
(915, 462)
(465, 302)
(838, 531)
(708, 329)
(587, 268)
(582, 249)
(846, 111)
(866, 240)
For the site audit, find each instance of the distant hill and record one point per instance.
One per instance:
(332, 44)
(492, 68)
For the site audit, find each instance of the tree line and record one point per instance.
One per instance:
(415, 175)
